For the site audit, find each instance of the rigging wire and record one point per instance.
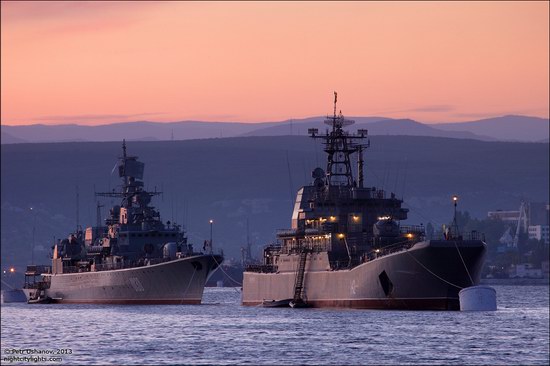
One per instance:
(464, 263)
(290, 181)
(188, 285)
(228, 276)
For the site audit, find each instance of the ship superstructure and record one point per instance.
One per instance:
(134, 258)
(347, 246)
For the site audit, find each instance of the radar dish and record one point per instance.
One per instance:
(339, 122)
(319, 183)
(318, 173)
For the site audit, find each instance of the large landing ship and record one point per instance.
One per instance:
(135, 258)
(347, 247)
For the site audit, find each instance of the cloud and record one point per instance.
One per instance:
(435, 108)
(212, 117)
(540, 112)
(432, 108)
(92, 117)
(32, 11)
(41, 19)
(478, 114)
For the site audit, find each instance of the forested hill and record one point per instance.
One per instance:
(232, 179)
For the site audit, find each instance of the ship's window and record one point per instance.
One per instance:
(133, 234)
(146, 235)
(140, 235)
(173, 235)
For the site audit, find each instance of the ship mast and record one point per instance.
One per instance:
(340, 145)
(130, 170)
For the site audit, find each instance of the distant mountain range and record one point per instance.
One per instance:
(512, 128)
(506, 128)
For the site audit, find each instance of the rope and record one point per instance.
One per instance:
(7, 284)
(464, 263)
(228, 276)
(188, 285)
(423, 266)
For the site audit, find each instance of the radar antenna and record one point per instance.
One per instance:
(124, 148)
(340, 145)
(335, 100)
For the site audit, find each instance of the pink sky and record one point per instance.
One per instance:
(102, 62)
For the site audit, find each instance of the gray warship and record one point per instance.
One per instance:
(134, 258)
(348, 248)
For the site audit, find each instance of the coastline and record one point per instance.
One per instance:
(515, 281)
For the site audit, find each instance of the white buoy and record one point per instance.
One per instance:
(478, 298)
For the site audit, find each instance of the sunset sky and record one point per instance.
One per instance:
(102, 62)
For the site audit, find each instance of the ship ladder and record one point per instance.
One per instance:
(300, 273)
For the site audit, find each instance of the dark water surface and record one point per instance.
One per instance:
(222, 332)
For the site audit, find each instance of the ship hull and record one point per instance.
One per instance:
(180, 281)
(427, 276)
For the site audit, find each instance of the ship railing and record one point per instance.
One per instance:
(299, 247)
(113, 266)
(413, 229)
(389, 249)
(261, 268)
(37, 270)
(75, 269)
(472, 235)
(342, 264)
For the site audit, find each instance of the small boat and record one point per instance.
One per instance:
(298, 304)
(40, 299)
(277, 303)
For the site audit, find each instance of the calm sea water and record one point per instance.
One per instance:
(222, 332)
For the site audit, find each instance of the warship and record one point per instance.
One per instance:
(347, 247)
(134, 258)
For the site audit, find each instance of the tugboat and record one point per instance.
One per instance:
(347, 247)
(135, 258)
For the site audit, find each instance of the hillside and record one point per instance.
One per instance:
(507, 128)
(232, 179)
(299, 127)
(140, 130)
(408, 127)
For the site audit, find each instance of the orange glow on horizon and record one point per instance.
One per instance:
(104, 62)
